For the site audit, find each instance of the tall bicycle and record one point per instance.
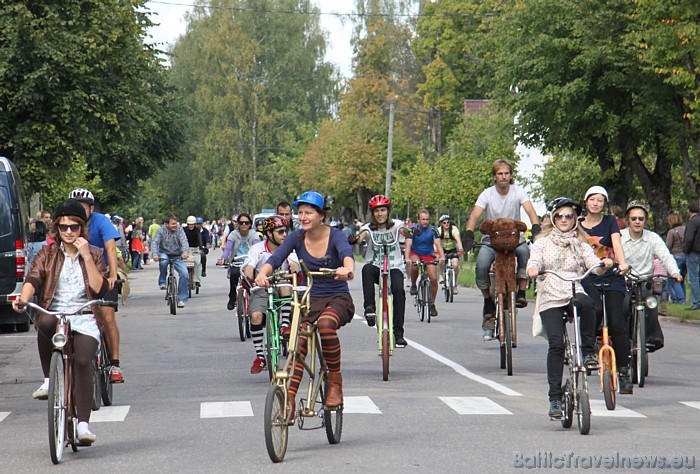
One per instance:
(506, 330)
(385, 324)
(62, 411)
(575, 398)
(278, 416)
(424, 298)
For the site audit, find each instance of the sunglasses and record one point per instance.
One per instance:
(281, 231)
(72, 227)
(243, 222)
(568, 215)
(637, 218)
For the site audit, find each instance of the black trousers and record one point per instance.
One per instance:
(370, 277)
(233, 282)
(553, 323)
(618, 320)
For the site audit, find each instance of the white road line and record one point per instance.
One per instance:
(113, 413)
(598, 409)
(3, 415)
(360, 405)
(464, 371)
(474, 406)
(225, 409)
(692, 404)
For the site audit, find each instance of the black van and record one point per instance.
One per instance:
(13, 246)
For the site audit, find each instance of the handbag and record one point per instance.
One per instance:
(537, 328)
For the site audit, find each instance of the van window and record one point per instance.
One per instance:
(5, 214)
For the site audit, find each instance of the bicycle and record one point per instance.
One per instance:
(385, 324)
(423, 299)
(274, 344)
(102, 364)
(277, 413)
(62, 412)
(506, 330)
(189, 264)
(607, 364)
(171, 286)
(242, 294)
(449, 278)
(639, 357)
(575, 398)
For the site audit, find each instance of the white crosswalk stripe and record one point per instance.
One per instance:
(598, 409)
(360, 405)
(474, 406)
(225, 409)
(692, 404)
(3, 415)
(110, 414)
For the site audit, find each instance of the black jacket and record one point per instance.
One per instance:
(691, 239)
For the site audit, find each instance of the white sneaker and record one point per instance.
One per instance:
(41, 393)
(85, 436)
(180, 304)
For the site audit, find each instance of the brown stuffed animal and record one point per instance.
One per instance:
(505, 237)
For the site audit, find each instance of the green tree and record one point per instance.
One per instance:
(80, 92)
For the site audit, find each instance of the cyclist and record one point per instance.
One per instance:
(502, 200)
(421, 245)
(641, 246)
(284, 209)
(384, 229)
(603, 235)
(451, 244)
(238, 243)
(275, 229)
(563, 248)
(101, 233)
(319, 246)
(206, 243)
(170, 243)
(194, 241)
(64, 276)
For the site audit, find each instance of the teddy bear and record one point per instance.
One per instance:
(505, 238)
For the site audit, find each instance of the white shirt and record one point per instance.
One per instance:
(260, 252)
(640, 253)
(496, 206)
(388, 236)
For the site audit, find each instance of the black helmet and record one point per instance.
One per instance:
(560, 202)
(72, 208)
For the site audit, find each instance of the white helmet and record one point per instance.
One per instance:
(82, 195)
(191, 220)
(596, 190)
(445, 217)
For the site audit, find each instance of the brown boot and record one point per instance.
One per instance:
(291, 406)
(334, 397)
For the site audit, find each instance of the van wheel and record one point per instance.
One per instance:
(5, 328)
(22, 327)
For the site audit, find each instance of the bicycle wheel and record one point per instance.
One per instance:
(240, 311)
(508, 341)
(427, 297)
(385, 354)
(641, 342)
(105, 365)
(96, 386)
(499, 333)
(172, 294)
(567, 402)
(583, 413)
(247, 324)
(421, 301)
(608, 390)
(332, 419)
(272, 346)
(57, 407)
(275, 424)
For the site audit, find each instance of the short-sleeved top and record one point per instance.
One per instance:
(388, 236)
(101, 231)
(423, 239)
(259, 254)
(338, 249)
(496, 206)
(600, 239)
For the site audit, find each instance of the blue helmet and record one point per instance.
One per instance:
(313, 198)
(199, 220)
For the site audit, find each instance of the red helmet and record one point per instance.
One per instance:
(273, 222)
(379, 201)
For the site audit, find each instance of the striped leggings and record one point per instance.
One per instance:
(327, 324)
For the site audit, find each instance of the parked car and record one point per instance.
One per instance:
(13, 246)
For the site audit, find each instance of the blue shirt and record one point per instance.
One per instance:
(423, 239)
(101, 230)
(338, 249)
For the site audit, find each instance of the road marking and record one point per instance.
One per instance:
(225, 409)
(360, 405)
(598, 409)
(112, 413)
(692, 404)
(3, 415)
(464, 371)
(474, 406)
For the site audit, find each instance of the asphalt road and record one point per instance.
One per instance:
(189, 403)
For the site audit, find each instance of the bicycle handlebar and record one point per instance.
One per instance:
(376, 243)
(579, 278)
(112, 304)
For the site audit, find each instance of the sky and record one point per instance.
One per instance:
(170, 16)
